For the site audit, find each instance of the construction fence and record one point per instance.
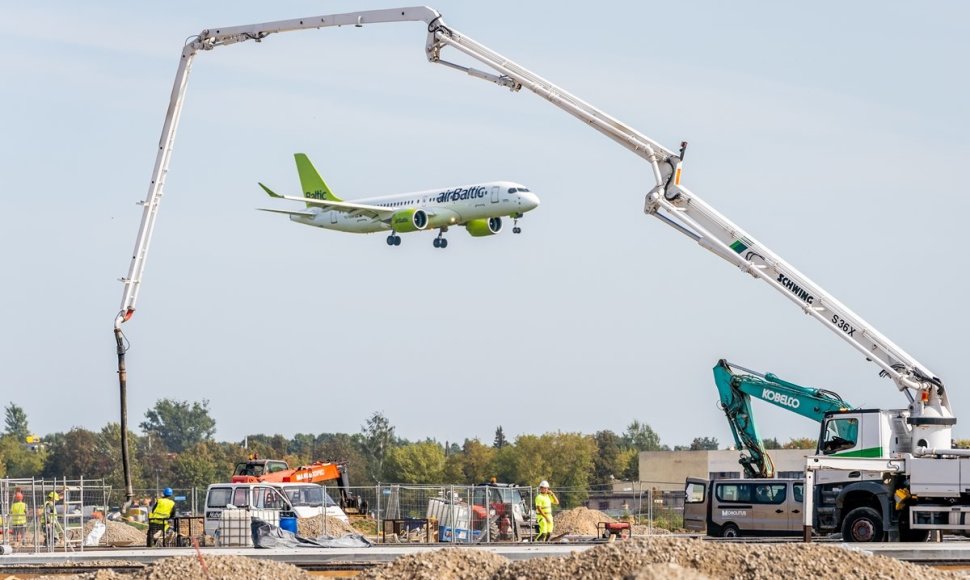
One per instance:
(50, 514)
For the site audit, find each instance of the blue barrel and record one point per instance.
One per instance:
(288, 524)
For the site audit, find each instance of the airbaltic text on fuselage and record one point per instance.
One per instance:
(462, 193)
(795, 288)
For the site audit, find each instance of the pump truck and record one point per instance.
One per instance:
(882, 473)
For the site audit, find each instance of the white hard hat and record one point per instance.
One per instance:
(543, 483)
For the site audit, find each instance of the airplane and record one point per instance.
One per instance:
(479, 208)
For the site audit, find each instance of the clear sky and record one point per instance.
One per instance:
(834, 132)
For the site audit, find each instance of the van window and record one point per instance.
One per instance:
(694, 492)
(219, 497)
(840, 434)
(736, 492)
(798, 492)
(771, 493)
(240, 497)
(267, 498)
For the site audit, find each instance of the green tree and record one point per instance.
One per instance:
(195, 468)
(477, 462)
(18, 460)
(346, 448)
(416, 463)
(178, 424)
(16, 422)
(607, 464)
(74, 454)
(500, 441)
(800, 443)
(641, 437)
(572, 465)
(704, 444)
(109, 467)
(771, 443)
(630, 460)
(379, 439)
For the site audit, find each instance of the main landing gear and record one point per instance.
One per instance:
(393, 240)
(440, 241)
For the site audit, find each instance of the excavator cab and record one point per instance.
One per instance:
(259, 467)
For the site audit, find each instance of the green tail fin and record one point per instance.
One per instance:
(311, 182)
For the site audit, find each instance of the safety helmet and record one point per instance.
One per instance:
(18, 496)
(54, 496)
(543, 483)
(167, 492)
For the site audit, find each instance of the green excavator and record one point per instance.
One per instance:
(736, 390)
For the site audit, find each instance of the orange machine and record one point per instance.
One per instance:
(277, 471)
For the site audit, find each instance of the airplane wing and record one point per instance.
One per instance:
(376, 211)
(308, 214)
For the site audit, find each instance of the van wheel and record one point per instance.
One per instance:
(863, 524)
(730, 531)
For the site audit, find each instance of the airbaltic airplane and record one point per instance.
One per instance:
(477, 207)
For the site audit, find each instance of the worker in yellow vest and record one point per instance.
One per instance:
(18, 519)
(159, 515)
(545, 499)
(51, 525)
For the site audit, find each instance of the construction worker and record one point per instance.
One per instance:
(51, 525)
(18, 519)
(545, 499)
(159, 515)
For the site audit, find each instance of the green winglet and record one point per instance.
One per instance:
(269, 191)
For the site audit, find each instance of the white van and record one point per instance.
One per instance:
(304, 500)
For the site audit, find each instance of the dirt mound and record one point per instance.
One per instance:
(628, 559)
(578, 521)
(320, 525)
(443, 564)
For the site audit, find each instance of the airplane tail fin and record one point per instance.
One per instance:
(311, 182)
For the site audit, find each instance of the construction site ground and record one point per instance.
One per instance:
(674, 556)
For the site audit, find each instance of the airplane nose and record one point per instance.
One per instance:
(531, 200)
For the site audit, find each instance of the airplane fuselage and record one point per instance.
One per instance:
(446, 207)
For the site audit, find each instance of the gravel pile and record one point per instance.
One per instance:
(443, 564)
(578, 521)
(630, 559)
(320, 525)
(186, 568)
(118, 534)
(656, 558)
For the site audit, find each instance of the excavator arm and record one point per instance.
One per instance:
(736, 391)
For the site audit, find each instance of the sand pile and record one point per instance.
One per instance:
(320, 525)
(578, 521)
(118, 534)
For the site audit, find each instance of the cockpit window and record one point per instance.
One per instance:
(523, 190)
(512, 190)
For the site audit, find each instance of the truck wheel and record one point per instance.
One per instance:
(730, 531)
(862, 524)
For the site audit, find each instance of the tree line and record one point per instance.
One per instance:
(176, 448)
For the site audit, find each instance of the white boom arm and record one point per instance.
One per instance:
(676, 206)
(668, 200)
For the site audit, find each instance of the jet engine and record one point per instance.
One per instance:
(409, 220)
(484, 227)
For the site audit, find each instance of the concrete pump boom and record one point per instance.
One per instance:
(668, 200)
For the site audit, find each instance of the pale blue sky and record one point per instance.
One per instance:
(834, 132)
